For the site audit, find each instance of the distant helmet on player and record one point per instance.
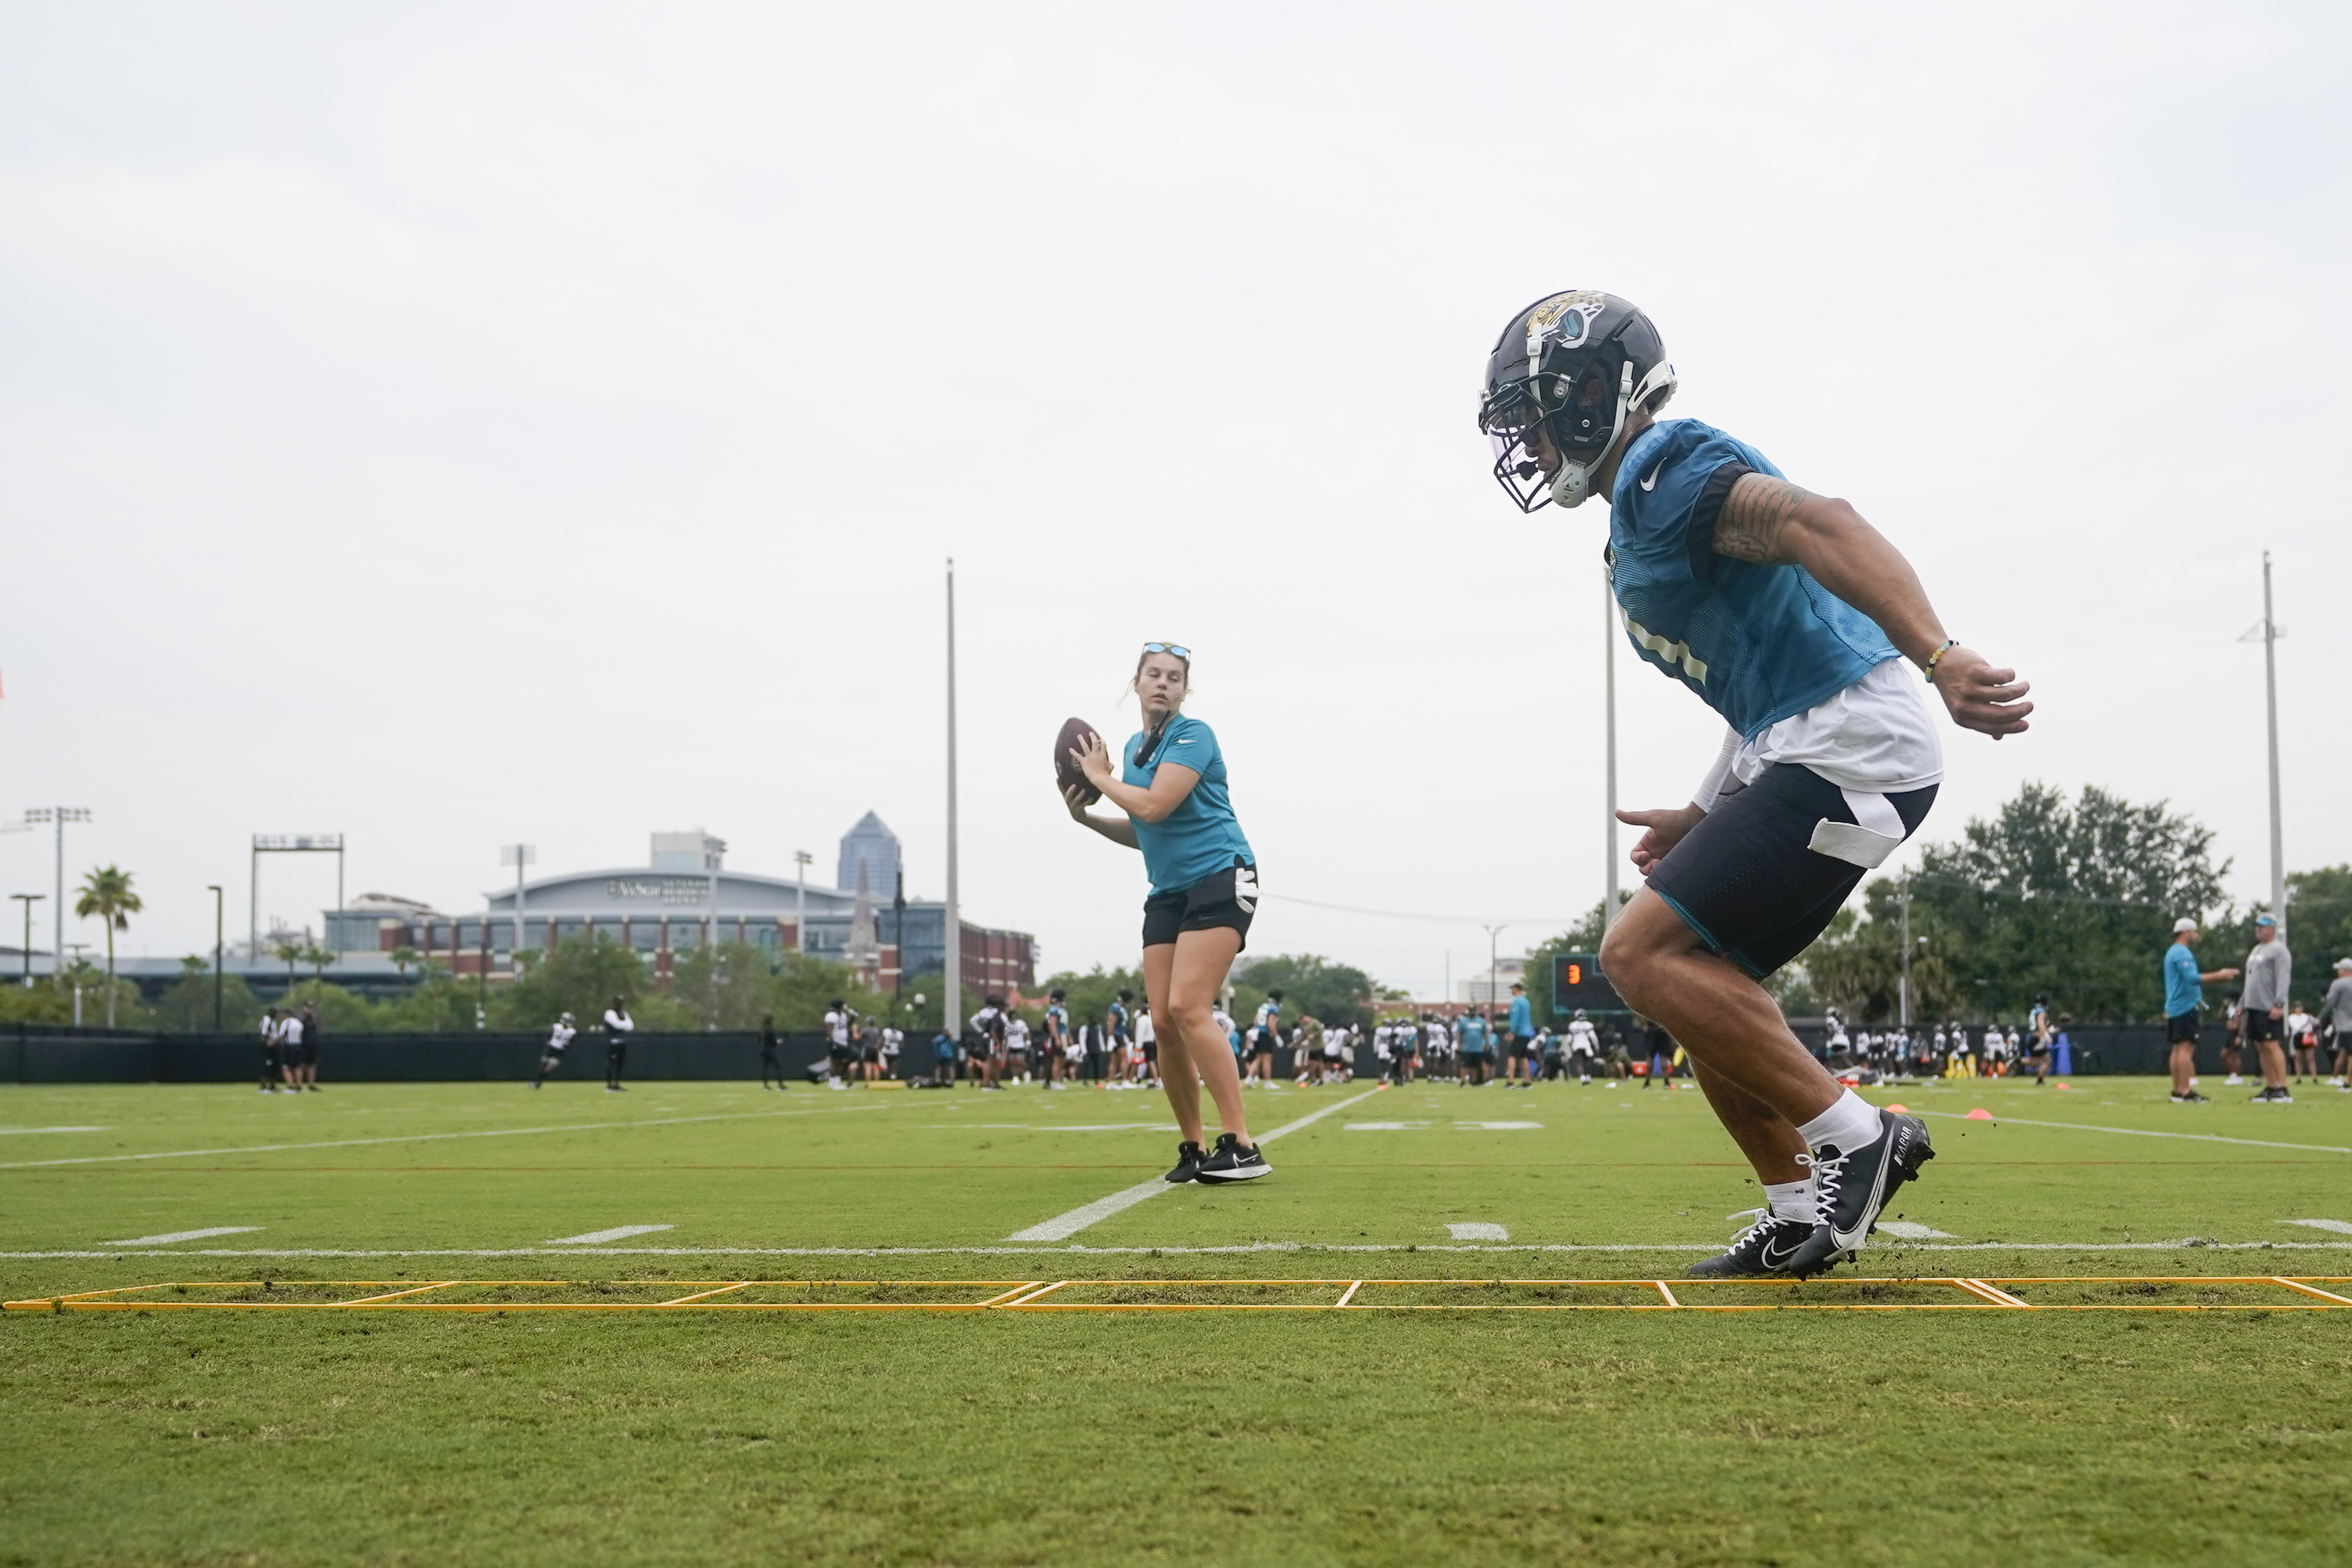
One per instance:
(1580, 1017)
(1563, 376)
(567, 1017)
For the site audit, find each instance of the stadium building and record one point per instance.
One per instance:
(684, 893)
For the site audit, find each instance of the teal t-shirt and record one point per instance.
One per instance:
(1473, 1035)
(1523, 1017)
(2183, 991)
(1200, 837)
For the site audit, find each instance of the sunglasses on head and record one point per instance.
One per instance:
(1179, 650)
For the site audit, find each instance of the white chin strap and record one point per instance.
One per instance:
(1573, 484)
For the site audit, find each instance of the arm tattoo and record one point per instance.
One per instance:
(1753, 522)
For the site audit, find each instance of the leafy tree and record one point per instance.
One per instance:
(2072, 901)
(402, 957)
(579, 977)
(1332, 992)
(187, 1006)
(107, 893)
(2318, 927)
(46, 1003)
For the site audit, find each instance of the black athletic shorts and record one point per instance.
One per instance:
(2181, 1028)
(2259, 1024)
(1227, 898)
(306, 1055)
(1151, 1050)
(1748, 880)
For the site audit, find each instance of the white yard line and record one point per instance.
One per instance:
(2337, 1225)
(171, 1236)
(618, 1233)
(12, 1131)
(431, 1137)
(2144, 1132)
(1908, 1231)
(1478, 1230)
(1068, 1224)
(1080, 1248)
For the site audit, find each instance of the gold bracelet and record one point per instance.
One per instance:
(1936, 658)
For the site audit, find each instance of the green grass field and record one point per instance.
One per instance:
(1018, 1437)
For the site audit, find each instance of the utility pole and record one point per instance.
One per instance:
(79, 949)
(951, 995)
(1493, 963)
(214, 888)
(518, 856)
(802, 861)
(1906, 953)
(28, 900)
(61, 814)
(1609, 688)
(2270, 631)
(898, 931)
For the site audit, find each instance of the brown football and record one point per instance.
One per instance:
(1075, 734)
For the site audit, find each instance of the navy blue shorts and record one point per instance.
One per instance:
(1749, 880)
(1227, 898)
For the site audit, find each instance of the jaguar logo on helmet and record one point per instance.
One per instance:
(1565, 318)
(1563, 382)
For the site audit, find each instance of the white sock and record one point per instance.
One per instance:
(1852, 1123)
(1792, 1200)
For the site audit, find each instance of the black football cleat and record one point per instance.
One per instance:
(1855, 1187)
(1765, 1247)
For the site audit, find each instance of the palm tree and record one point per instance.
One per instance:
(289, 953)
(402, 957)
(317, 958)
(106, 893)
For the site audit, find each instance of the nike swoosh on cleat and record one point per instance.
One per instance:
(1776, 1259)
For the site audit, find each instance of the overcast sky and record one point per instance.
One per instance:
(452, 425)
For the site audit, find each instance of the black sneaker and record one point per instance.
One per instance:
(2273, 1097)
(1232, 1162)
(1855, 1187)
(2190, 1097)
(1765, 1248)
(1187, 1162)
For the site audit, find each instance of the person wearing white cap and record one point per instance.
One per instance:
(2337, 1009)
(2269, 971)
(2184, 994)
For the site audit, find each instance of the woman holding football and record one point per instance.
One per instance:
(1170, 787)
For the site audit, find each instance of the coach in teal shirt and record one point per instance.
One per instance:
(2184, 993)
(1523, 1017)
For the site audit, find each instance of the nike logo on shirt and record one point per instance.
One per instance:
(1652, 483)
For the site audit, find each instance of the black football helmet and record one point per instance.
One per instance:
(1560, 383)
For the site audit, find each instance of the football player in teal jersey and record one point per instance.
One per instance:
(1806, 630)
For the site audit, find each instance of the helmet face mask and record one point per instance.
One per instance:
(1560, 383)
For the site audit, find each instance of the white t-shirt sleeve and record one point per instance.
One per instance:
(1711, 788)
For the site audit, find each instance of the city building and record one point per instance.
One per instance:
(869, 859)
(674, 903)
(1492, 988)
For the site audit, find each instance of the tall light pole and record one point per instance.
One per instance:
(2267, 631)
(802, 861)
(518, 856)
(951, 997)
(1493, 963)
(28, 900)
(1905, 992)
(214, 888)
(1609, 705)
(61, 814)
